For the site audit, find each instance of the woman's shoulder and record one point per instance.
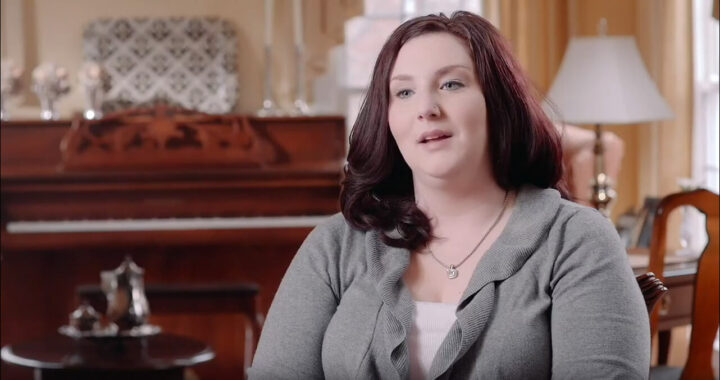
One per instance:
(546, 209)
(333, 237)
(583, 220)
(335, 250)
(333, 228)
(583, 235)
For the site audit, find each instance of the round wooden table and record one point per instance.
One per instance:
(161, 356)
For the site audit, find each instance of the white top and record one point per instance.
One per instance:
(432, 323)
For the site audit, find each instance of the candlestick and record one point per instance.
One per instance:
(269, 5)
(301, 106)
(93, 79)
(297, 22)
(268, 106)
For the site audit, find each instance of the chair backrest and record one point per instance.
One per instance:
(652, 289)
(705, 317)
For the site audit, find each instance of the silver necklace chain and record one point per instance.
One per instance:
(451, 269)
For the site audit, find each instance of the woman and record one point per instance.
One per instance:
(455, 255)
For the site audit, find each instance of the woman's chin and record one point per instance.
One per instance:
(441, 173)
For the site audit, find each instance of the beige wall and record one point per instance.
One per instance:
(35, 31)
(583, 16)
(657, 154)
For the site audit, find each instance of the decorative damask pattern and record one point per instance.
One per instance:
(186, 62)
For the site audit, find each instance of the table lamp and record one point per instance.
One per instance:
(602, 80)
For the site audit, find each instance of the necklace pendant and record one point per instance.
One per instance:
(452, 272)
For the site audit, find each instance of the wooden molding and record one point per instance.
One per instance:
(164, 137)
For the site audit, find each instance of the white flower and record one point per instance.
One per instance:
(10, 77)
(50, 80)
(91, 74)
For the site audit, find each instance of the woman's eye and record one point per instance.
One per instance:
(402, 94)
(452, 85)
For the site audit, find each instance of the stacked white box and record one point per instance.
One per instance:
(364, 37)
(329, 89)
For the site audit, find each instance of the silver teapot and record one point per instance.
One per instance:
(124, 288)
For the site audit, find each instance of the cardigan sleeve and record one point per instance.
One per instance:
(291, 340)
(599, 322)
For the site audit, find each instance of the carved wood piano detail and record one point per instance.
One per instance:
(194, 198)
(166, 137)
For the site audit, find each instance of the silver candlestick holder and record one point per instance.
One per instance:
(301, 105)
(269, 107)
(93, 79)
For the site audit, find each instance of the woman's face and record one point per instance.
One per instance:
(437, 110)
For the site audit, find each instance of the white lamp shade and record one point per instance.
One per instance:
(602, 80)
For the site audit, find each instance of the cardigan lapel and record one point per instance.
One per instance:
(470, 323)
(387, 266)
(532, 216)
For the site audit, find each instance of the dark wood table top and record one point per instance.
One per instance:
(157, 352)
(675, 264)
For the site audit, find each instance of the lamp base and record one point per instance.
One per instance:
(603, 194)
(602, 189)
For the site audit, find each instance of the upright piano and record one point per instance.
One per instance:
(192, 198)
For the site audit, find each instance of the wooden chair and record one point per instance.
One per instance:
(196, 299)
(652, 289)
(705, 317)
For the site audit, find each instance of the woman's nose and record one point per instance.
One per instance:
(429, 110)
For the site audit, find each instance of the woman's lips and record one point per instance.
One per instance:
(434, 139)
(434, 136)
(436, 144)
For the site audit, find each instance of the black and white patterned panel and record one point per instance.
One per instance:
(186, 62)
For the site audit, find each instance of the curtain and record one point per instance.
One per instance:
(656, 154)
(664, 33)
(537, 30)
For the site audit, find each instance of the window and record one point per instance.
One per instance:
(706, 124)
(706, 119)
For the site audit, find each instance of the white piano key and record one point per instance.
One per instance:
(170, 224)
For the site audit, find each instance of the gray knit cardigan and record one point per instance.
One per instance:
(554, 297)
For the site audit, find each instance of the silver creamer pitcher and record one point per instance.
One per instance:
(124, 288)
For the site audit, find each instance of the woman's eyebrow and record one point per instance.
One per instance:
(449, 68)
(441, 71)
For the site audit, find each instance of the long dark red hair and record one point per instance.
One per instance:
(524, 146)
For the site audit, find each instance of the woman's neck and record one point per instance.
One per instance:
(447, 203)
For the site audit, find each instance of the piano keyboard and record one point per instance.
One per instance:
(169, 224)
